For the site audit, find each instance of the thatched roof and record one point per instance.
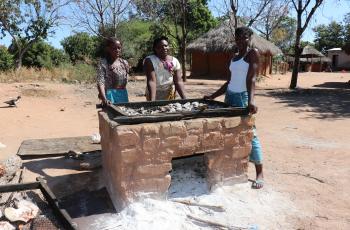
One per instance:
(221, 39)
(310, 51)
(309, 60)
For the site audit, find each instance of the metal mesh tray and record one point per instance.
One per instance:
(221, 110)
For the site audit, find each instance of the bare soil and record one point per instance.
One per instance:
(304, 133)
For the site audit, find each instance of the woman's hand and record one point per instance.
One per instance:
(208, 97)
(106, 102)
(252, 108)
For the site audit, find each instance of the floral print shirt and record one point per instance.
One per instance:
(113, 75)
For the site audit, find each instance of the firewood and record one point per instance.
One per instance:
(214, 224)
(217, 208)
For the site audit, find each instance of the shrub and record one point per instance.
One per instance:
(6, 59)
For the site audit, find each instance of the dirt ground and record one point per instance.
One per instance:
(304, 133)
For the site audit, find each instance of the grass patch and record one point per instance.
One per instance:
(79, 73)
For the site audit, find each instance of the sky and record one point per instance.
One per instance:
(331, 10)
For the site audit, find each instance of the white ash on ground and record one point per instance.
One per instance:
(170, 108)
(190, 206)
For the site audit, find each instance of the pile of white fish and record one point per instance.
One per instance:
(24, 211)
(169, 108)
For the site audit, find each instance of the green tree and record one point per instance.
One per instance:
(328, 36)
(346, 46)
(41, 55)
(28, 21)
(305, 9)
(6, 59)
(135, 35)
(182, 20)
(284, 35)
(80, 47)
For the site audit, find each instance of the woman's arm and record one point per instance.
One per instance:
(219, 92)
(179, 84)
(253, 71)
(151, 79)
(101, 84)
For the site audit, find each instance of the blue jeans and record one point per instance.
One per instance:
(117, 95)
(241, 100)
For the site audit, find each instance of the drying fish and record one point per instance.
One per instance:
(4, 225)
(169, 108)
(25, 211)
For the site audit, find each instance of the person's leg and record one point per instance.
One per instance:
(256, 158)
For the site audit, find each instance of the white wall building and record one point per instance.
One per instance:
(339, 59)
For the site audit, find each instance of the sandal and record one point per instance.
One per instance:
(258, 184)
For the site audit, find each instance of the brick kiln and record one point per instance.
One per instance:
(138, 149)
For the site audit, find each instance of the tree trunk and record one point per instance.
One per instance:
(297, 53)
(19, 60)
(183, 60)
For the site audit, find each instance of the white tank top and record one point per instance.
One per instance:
(239, 70)
(164, 78)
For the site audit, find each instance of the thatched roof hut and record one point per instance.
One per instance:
(221, 39)
(310, 52)
(311, 60)
(211, 52)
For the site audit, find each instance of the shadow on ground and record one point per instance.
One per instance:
(334, 85)
(320, 103)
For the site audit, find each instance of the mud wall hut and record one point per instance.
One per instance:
(211, 53)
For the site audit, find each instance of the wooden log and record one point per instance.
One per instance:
(218, 208)
(19, 187)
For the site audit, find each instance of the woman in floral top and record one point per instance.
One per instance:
(163, 73)
(112, 74)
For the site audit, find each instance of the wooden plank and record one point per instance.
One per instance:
(56, 146)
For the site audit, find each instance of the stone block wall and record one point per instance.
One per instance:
(137, 158)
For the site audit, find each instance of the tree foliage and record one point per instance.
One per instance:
(100, 17)
(28, 21)
(284, 35)
(80, 46)
(346, 46)
(135, 36)
(182, 20)
(272, 17)
(328, 36)
(6, 59)
(41, 55)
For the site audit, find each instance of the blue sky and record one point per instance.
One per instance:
(331, 10)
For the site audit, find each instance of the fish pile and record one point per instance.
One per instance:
(170, 108)
(23, 211)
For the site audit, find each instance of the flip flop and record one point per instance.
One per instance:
(258, 184)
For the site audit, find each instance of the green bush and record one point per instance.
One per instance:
(6, 59)
(80, 47)
(41, 55)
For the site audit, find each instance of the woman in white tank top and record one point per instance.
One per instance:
(240, 89)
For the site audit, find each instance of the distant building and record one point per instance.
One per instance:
(339, 59)
(211, 53)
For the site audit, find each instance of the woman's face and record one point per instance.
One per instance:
(242, 40)
(114, 50)
(162, 48)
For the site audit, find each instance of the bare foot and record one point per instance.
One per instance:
(259, 182)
